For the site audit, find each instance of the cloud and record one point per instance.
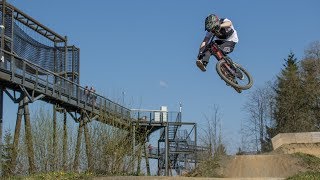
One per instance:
(163, 84)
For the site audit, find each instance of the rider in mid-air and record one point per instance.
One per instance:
(226, 38)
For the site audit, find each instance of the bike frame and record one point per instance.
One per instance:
(217, 52)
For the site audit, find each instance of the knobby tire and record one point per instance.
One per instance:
(230, 81)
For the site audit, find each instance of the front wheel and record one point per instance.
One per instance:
(222, 68)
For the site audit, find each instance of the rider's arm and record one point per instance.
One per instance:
(205, 41)
(226, 24)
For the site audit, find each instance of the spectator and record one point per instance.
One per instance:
(86, 93)
(150, 148)
(93, 95)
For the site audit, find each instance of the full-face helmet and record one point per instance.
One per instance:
(212, 22)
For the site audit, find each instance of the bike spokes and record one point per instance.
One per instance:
(234, 75)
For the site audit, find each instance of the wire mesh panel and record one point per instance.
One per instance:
(39, 60)
(31, 41)
(73, 66)
(28, 48)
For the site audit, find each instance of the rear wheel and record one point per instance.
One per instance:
(229, 77)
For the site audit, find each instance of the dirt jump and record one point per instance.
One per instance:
(280, 163)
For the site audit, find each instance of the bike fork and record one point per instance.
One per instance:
(229, 65)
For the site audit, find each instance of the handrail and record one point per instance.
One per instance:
(48, 72)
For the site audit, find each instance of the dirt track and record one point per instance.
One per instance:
(278, 164)
(250, 167)
(254, 166)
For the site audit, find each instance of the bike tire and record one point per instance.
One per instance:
(220, 64)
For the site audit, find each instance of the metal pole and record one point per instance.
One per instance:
(2, 36)
(123, 93)
(159, 158)
(2, 25)
(167, 150)
(195, 143)
(1, 115)
(2, 61)
(133, 146)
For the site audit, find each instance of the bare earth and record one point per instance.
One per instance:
(258, 166)
(278, 164)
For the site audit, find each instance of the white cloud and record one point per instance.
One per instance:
(163, 84)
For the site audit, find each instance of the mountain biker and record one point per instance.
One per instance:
(225, 34)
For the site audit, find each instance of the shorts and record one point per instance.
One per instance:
(226, 46)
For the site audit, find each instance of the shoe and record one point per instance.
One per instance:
(201, 65)
(239, 74)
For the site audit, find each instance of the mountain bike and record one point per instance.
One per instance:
(231, 72)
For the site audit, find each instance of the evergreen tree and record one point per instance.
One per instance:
(288, 99)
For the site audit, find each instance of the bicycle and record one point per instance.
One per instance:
(232, 73)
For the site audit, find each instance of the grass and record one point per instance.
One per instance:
(312, 162)
(55, 176)
(313, 165)
(206, 169)
(310, 175)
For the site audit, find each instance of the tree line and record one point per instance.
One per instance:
(111, 152)
(288, 104)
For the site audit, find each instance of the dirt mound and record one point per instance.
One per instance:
(313, 149)
(279, 163)
(261, 166)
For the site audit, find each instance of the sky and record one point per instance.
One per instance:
(142, 53)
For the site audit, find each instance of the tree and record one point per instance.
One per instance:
(259, 108)
(313, 51)
(211, 139)
(289, 112)
(310, 75)
(6, 154)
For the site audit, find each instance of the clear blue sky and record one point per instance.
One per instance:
(147, 49)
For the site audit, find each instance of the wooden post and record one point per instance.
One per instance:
(146, 155)
(77, 153)
(16, 136)
(139, 159)
(54, 143)
(65, 141)
(32, 168)
(88, 148)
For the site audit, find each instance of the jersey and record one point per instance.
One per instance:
(226, 34)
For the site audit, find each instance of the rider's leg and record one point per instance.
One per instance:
(202, 63)
(227, 47)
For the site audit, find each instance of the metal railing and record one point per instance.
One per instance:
(153, 116)
(23, 72)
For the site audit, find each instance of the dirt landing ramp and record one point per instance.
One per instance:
(313, 149)
(261, 166)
